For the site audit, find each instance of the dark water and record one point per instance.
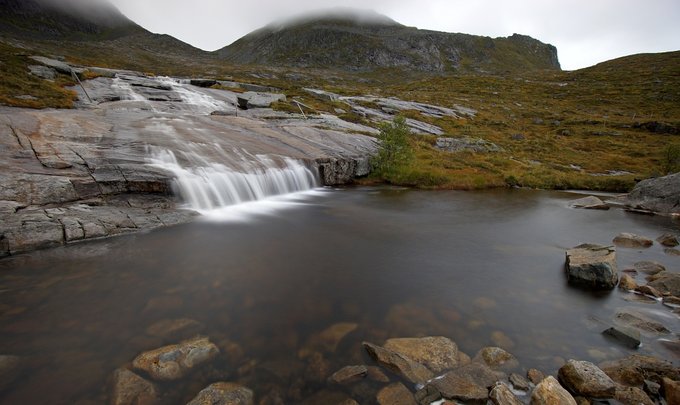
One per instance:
(483, 268)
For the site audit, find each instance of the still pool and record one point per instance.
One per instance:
(482, 268)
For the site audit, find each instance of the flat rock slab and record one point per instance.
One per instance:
(590, 202)
(399, 364)
(437, 353)
(592, 266)
(631, 240)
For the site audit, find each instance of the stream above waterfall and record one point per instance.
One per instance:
(482, 268)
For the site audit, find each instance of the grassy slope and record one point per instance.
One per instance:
(585, 118)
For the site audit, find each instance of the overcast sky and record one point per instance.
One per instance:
(585, 32)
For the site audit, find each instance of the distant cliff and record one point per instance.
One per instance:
(358, 42)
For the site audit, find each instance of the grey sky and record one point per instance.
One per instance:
(585, 32)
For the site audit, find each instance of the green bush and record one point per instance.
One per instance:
(395, 150)
(670, 162)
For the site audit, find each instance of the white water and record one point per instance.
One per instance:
(199, 102)
(209, 187)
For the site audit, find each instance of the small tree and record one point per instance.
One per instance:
(395, 150)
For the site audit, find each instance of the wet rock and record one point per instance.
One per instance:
(627, 282)
(496, 358)
(668, 240)
(377, 375)
(649, 267)
(633, 370)
(176, 361)
(329, 339)
(671, 301)
(592, 265)
(349, 374)
(667, 283)
(550, 392)
(10, 368)
(628, 337)
(633, 319)
(203, 82)
(586, 379)
(660, 194)
(631, 240)
(648, 290)
(535, 376)
(399, 364)
(437, 353)
(395, 394)
(175, 329)
(468, 383)
(502, 395)
(131, 389)
(519, 382)
(632, 396)
(318, 368)
(672, 252)
(590, 202)
(671, 391)
(223, 393)
(466, 144)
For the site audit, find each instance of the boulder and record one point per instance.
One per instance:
(399, 364)
(667, 283)
(590, 202)
(395, 394)
(223, 393)
(550, 392)
(131, 389)
(631, 240)
(43, 72)
(660, 194)
(668, 240)
(633, 370)
(649, 267)
(635, 319)
(632, 396)
(671, 391)
(349, 374)
(627, 282)
(175, 361)
(626, 336)
(437, 353)
(518, 382)
(468, 383)
(502, 395)
(592, 265)
(496, 358)
(586, 379)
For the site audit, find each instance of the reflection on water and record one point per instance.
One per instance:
(483, 268)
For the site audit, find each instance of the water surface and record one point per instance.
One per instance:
(483, 268)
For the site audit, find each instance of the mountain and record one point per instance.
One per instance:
(360, 41)
(64, 20)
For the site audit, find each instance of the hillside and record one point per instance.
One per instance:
(352, 42)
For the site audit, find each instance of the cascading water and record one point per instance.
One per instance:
(206, 185)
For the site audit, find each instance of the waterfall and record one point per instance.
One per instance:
(206, 185)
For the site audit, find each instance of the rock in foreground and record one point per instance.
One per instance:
(550, 392)
(437, 353)
(175, 361)
(586, 379)
(592, 266)
(223, 393)
(399, 364)
(660, 195)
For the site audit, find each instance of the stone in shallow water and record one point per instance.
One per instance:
(668, 239)
(631, 240)
(175, 361)
(550, 392)
(131, 389)
(395, 394)
(399, 364)
(469, 383)
(586, 379)
(437, 353)
(590, 202)
(496, 358)
(349, 374)
(649, 267)
(667, 283)
(634, 319)
(593, 266)
(626, 336)
(627, 283)
(223, 393)
(502, 395)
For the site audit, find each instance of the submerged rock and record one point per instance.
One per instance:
(634, 319)
(349, 374)
(437, 353)
(399, 364)
(626, 336)
(668, 240)
(649, 267)
(667, 283)
(627, 282)
(590, 202)
(586, 379)
(502, 395)
(633, 370)
(395, 394)
(631, 240)
(496, 358)
(592, 266)
(550, 392)
(223, 393)
(175, 361)
(131, 389)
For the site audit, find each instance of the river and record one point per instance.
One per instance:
(482, 268)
